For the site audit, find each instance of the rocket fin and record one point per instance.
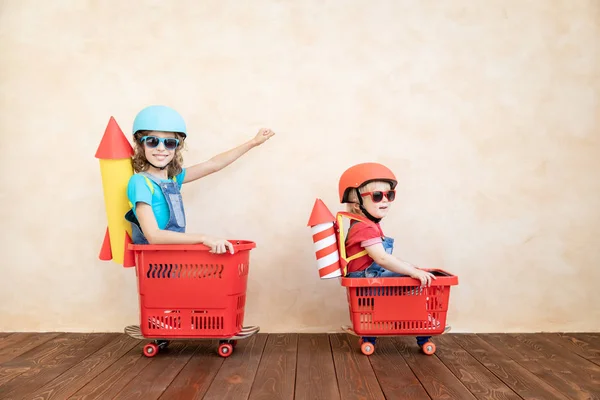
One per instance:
(128, 256)
(105, 251)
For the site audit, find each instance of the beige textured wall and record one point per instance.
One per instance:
(488, 111)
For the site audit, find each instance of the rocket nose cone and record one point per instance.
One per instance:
(114, 145)
(320, 214)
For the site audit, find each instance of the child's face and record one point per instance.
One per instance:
(162, 154)
(380, 209)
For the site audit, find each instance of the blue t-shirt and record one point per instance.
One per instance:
(138, 191)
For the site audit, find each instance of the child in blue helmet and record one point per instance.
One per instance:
(157, 214)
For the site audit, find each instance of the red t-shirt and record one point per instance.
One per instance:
(361, 235)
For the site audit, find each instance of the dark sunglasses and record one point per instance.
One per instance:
(377, 196)
(153, 141)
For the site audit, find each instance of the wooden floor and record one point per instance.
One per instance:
(301, 366)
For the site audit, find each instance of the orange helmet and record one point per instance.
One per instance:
(361, 174)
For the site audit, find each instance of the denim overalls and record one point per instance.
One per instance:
(375, 270)
(173, 198)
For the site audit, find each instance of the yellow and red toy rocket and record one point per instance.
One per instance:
(115, 154)
(323, 229)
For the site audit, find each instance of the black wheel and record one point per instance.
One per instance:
(162, 344)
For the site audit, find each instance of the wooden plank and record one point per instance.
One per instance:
(536, 345)
(74, 379)
(156, 377)
(19, 343)
(4, 340)
(582, 344)
(437, 380)
(519, 379)
(478, 379)
(551, 350)
(576, 379)
(194, 379)
(315, 374)
(113, 379)
(510, 347)
(355, 376)
(37, 356)
(38, 375)
(234, 379)
(276, 373)
(395, 377)
(589, 336)
(9, 373)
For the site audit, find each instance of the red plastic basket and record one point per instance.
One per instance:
(398, 306)
(187, 292)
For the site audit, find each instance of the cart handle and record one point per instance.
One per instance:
(444, 278)
(238, 245)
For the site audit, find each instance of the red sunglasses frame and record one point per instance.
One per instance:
(385, 194)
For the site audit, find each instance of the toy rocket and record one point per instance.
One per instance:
(322, 226)
(115, 154)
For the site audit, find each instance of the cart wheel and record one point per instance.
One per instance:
(162, 344)
(428, 348)
(225, 349)
(233, 343)
(367, 348)
(150, 350)
(360, 341)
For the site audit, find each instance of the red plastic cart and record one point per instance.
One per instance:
(188, 293)
(398, 306)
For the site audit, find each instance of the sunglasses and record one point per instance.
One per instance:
(153, 141)
(377, 196)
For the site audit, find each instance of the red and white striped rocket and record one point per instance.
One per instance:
(322, 226)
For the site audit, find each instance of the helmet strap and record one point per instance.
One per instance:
(161, 168)
(364, 210)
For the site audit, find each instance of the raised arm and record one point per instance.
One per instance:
(222, 160)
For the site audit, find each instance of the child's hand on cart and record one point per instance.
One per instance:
(424, 276)
(218, 246)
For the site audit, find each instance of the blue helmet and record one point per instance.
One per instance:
(159, 118)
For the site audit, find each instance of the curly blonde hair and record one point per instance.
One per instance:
(140, 163)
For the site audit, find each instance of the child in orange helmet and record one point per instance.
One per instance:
(368, 191)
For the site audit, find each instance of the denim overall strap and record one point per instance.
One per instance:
(388, 244)
(174, 201)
